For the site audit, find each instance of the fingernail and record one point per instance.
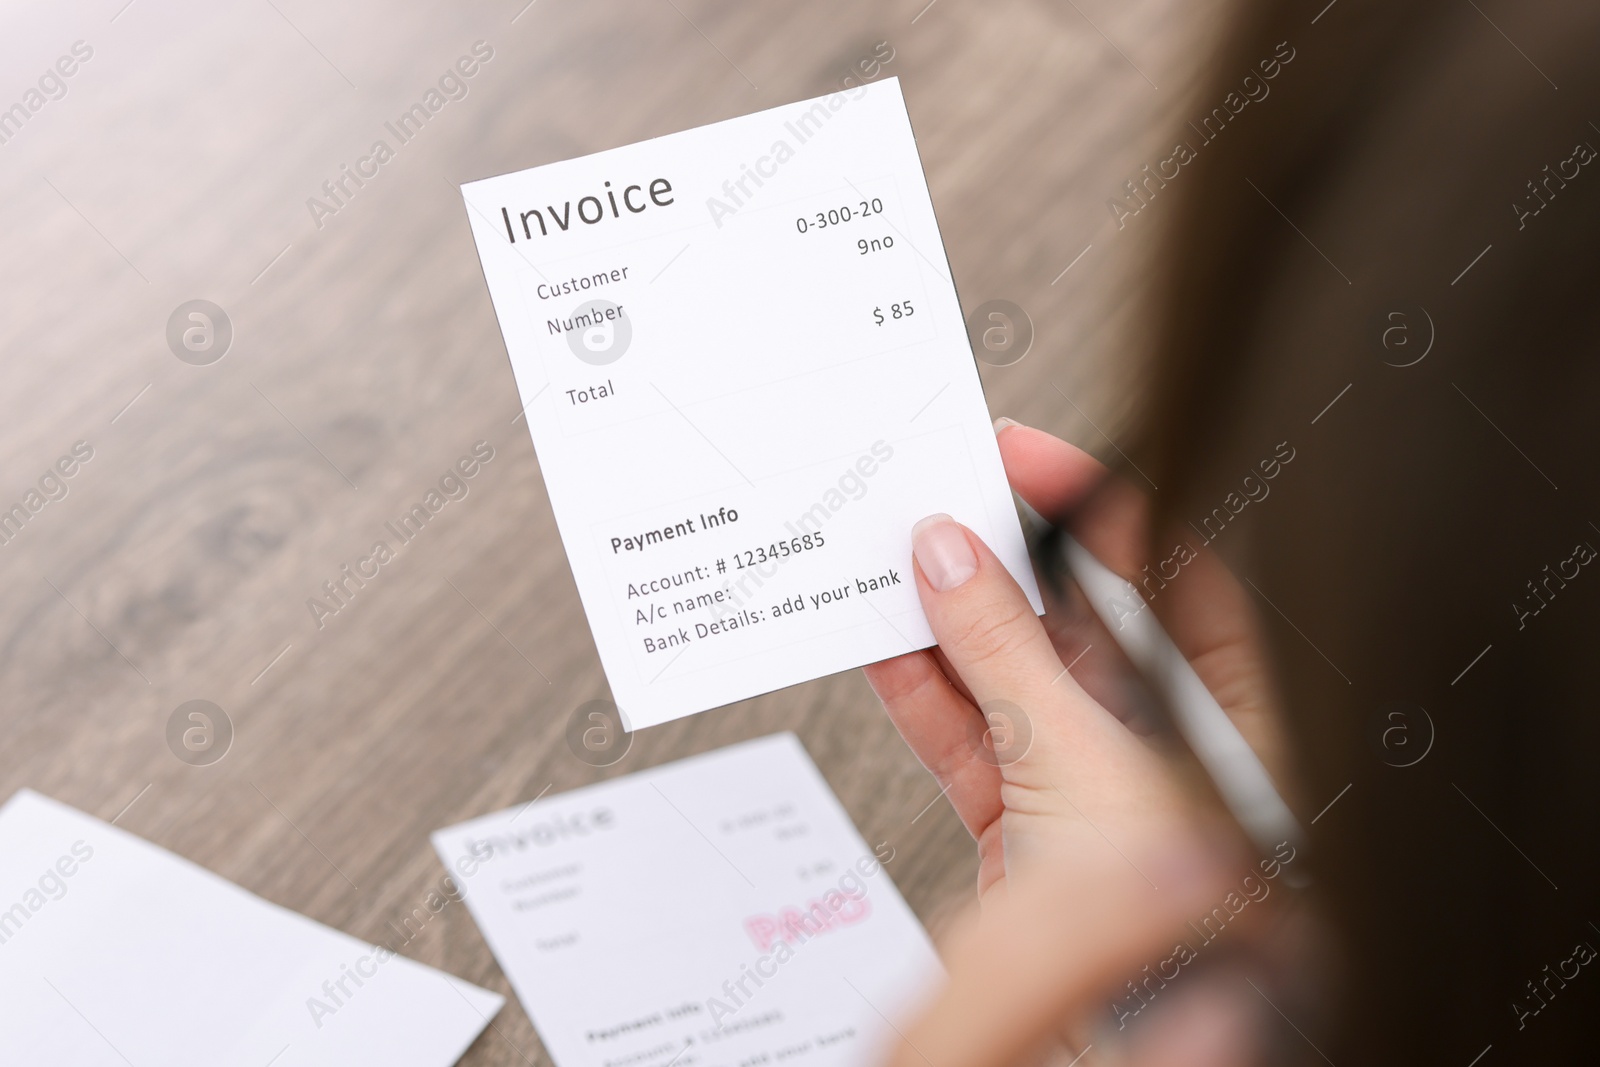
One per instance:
(1002, 422)
(943, 552)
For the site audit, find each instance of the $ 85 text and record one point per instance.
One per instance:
(902, 310)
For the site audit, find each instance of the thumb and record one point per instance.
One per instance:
(980, 616)
(997, 646)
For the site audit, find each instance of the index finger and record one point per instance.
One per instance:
(1053, 476)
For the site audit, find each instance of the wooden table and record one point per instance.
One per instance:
(365, 360)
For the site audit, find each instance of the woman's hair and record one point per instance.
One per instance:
(1381, 265)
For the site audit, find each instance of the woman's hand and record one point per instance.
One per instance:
(1034, 765)
(1099, 841)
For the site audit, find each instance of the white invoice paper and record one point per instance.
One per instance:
(715, 912)
(114, 951)
(746, 374)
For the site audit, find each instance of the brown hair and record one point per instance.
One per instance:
(1386, 265)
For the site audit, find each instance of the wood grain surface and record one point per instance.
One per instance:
(365, 360)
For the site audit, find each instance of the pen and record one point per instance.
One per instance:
(1238, 774)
